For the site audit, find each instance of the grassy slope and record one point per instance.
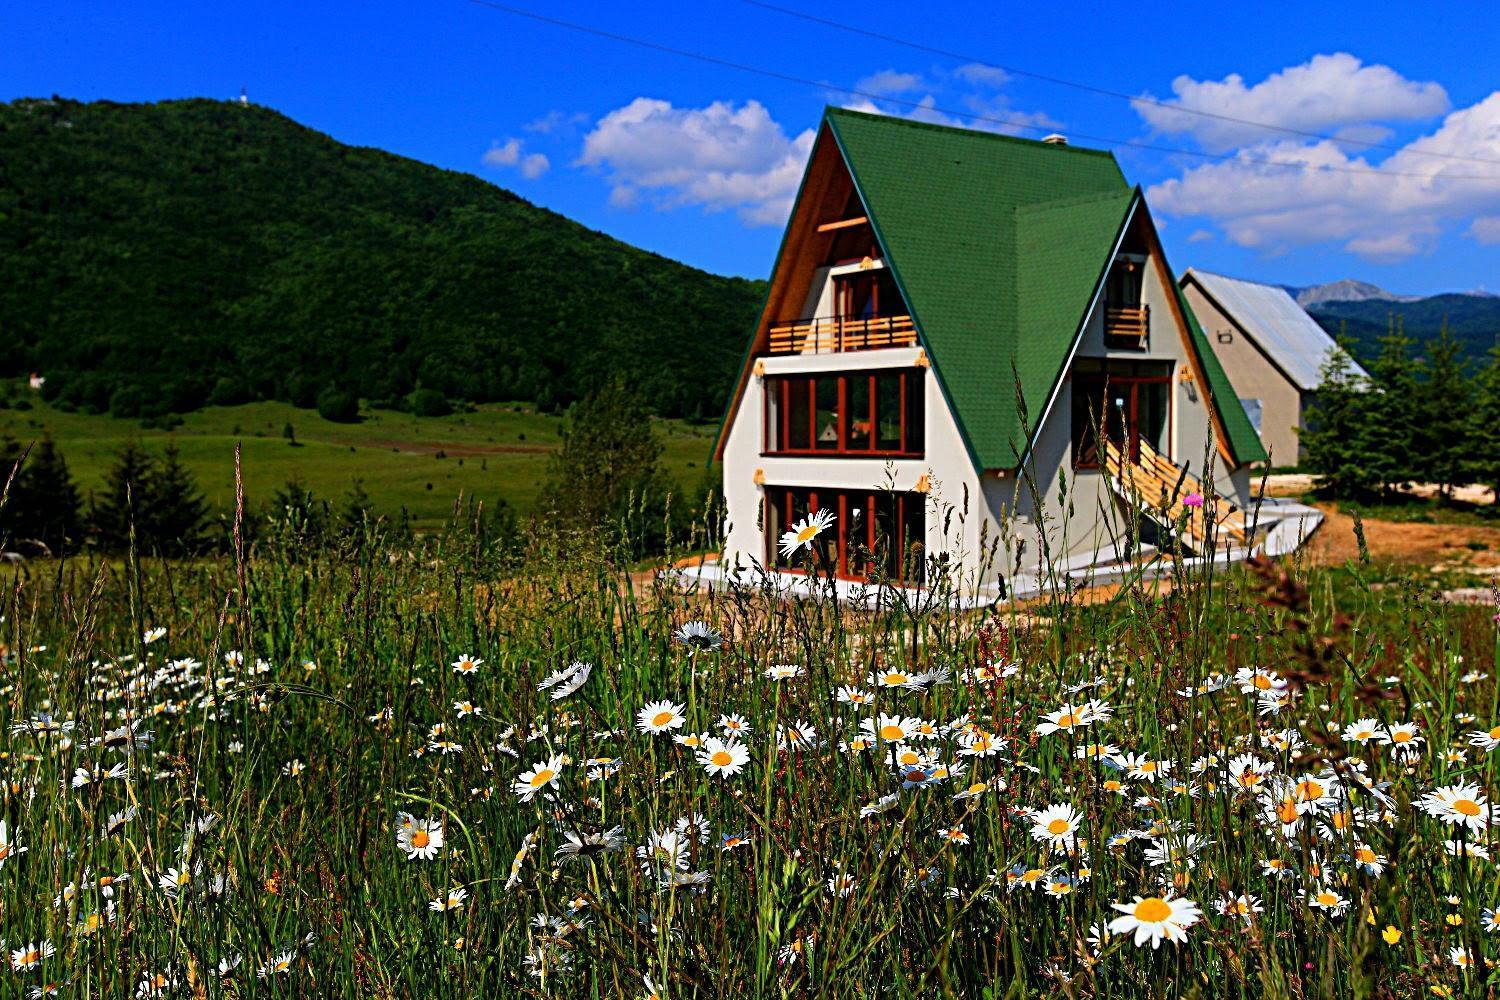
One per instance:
(499, 451)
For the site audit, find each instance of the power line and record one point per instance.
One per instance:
(1103, 91)
(972, 116)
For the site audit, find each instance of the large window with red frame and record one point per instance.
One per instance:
(875, 533)
(849, 413)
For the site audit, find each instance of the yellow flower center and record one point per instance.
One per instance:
(895, 678)
(1365, 855)
(892, 733)
(420, 839)
(1152, 910)
(1309, 790)
(661, 718)
(1401, 736)
(807, 534)
(1262, 682)
(1287, 811)
(1495, 733)
(976, 788)
(1067, 720)
(1327, 898)
(1467, 806)
(543, 776)
(1058, 827)
(722, 758)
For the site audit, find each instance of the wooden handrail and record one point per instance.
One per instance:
(1127, 321)
(1156, 484)
(829, 335)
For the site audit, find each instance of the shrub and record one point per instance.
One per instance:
(338, 405)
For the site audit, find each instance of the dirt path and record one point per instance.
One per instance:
(1447, 545)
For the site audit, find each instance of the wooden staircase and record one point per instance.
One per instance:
(1157, 486)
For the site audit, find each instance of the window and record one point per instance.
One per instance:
(871, 530)
(1253, 411)
(859, 413)
(1127, 408)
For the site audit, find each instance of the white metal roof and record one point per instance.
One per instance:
(1281, 327)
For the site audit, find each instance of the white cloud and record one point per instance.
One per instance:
(1326, 92)
(888, 81)
(510, 154)
(979, 73)
(719, 158)
(1383, 211)
(1200, 236)
(556, 121)
(1486, 230)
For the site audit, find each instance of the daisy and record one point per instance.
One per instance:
(567, 680)
(698, 637)
(954, 835)
(30, 956)
(467, 664)
(841, 886)
(278, 965)
(9, 847)
(1257, 681)
(1461, 804)
(542, 775)
(587, 845)
(1138, 767)
(1367, 861)
(804, 532)
(660, 716)
(1244, 907)
(722, 758)
(1366, 731)
(801, 736)
(730, 841)
(1485, 740)
(113, 825)
(783, 671)
(1154, 918)
(890, 728)
(420, 838)
(1325, 899)
(734, 725)
(1056, 825)
(894, 678)
(978, 743)
(1466, 849)
(453, 901)
(854, 696)
(1071, 717)
(1405, 737)
(465, 709)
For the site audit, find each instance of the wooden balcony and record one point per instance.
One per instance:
(1127, 326)
(835, 334)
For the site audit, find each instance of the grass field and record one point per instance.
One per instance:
(362, 772)
(420, 463)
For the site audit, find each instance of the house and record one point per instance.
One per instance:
(973, 355)
(1270, 348)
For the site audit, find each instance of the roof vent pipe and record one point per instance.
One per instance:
(1055, 139)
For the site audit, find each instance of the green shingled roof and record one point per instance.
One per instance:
(998, 245)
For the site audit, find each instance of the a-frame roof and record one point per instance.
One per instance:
(999, 246)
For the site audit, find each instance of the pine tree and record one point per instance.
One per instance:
(1390, 446)
(1442, 432)
(49, 512)
(1483, 461)
(1335, 427)
(177, 514)
(121, 503)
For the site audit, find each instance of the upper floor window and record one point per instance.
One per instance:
(1127, 319)
(846, 413)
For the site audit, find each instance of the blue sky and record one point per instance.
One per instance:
(698, 162)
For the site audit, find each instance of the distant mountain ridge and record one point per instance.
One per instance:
(1347, 290)
(161, 257)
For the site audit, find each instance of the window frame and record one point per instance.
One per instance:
(779, 390)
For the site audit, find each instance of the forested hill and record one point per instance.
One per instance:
(159, 257)
(1473, 320)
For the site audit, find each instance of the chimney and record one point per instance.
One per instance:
(1055, 139)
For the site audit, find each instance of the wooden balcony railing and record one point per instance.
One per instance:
(833, 334)
(1128, 323)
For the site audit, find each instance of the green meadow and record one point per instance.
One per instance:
(497, 452)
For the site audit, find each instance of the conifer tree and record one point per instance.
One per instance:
(177, 513)
(1483, 460)
(1441, 434)
(119, 506)
(42, 512)
(1335, 426)
(1389, 438)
